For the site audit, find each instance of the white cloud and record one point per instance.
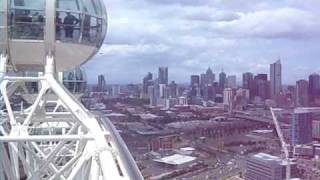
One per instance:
(190, 35)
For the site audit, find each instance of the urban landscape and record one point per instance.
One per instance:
(217, 127)
(159, 90)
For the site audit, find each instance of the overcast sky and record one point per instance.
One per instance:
(190, 35)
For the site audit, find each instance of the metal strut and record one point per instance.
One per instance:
(54, 144)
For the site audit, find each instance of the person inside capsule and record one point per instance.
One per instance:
(69, 23)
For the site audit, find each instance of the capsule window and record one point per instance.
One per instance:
(26, 19)
(69, 5)
(2, 5)
(68, 26)
(89, 7)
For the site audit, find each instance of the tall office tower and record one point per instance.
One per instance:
(203, 80)
(275, 79)
(162, 90)
(261, 86)
(152, 95)
(163, 75)
(209, 92)
(247, 80)
(194, 81)
(314, 87)
(222, 80)
(147, 81)
(302, 96)
(248, 83)
(116, 90)
(210, 76)
(156, 86)
(232, 81)
(228, 96)
(301, 127)
(101, 83)
(265, 167)
(173, 89)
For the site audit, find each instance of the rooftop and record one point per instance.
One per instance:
(176, 159)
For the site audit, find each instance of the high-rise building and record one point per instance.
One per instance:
(152, 96)
(248, 83)
(275, 79)
(302, 97)
(301, 127)
(210, 76)
(228, 96)
(116, 90)
(162, 91)
(203, 80)
(232, 81)
(209, 91)
(173, 89)
(261, 87)
(265, 167)
(163, 75)
(194, 81)
(222, 80)
(247, 80)
(101, 83)
(314, 87)
(147, 81)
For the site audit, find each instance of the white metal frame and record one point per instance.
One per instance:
(88, 149)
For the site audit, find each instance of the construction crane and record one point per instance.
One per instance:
(285, 146)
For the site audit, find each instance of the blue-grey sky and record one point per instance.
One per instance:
(190, 35)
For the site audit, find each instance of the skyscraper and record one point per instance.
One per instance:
(247, 80)
(302, 98)
(222, 80)
(301, 128)
(194, 80)
(163, 75)
(101, 83)
(248, 83)
(203, 80)
(314, 87)
(275, 79)
(261, 86)
(173, 89)
(147, 81)
(232, 81)
(152, 96)
(210, 76)
(228, 96)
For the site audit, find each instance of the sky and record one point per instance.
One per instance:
(189, 36)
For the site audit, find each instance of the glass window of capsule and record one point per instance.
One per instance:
(75, 80)
(76, 21)
(26, 19)
(2, 26)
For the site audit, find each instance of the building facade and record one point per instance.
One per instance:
(275, 79)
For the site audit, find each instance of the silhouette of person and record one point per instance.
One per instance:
(69, 22)
(58, 25)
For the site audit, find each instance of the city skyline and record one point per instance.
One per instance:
(189, 36)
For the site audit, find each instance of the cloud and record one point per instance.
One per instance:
(190, 35)
(278, 23)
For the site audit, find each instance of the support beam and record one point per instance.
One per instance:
(45, 138)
